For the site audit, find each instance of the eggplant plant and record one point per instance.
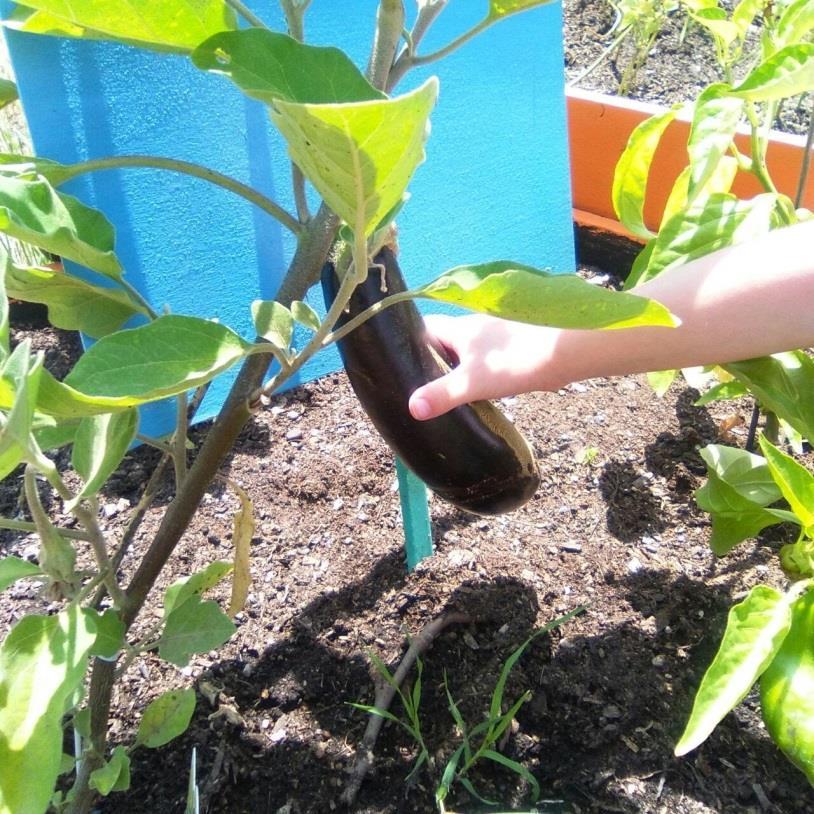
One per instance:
(357, 143)
(768, 635)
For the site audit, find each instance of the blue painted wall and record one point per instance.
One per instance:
(495, 184)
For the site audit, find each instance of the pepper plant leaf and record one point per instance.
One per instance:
(168, 356)
(633, 168)
(754, 632)
(715, 119)
(267, 65)
(42, 663)
(360, 156)
(788, 72)
(73, 304)
(192, 627)
(722, 391)
(99, 446)
(784, 384)
(33, 211)
(713, 223)
(796, 21)
(796, 483)
(168, 26)
(739, 486)
(526, 294)
(165, 718)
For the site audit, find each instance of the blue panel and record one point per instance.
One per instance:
(496, 183)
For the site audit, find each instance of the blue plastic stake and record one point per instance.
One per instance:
(415, 515)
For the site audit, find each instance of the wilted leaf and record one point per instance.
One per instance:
(267, 66)
(754, 633)
(525, 294)
(166, 718)
(241, 539)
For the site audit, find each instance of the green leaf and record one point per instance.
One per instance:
(714, 123)
(274, 322)
(110, 632)
(783, 384)
(633, 168)
(722, 392)
(721, 179)
(503, 8)
(268, 66)
(99, 446)
(114, 775)
(13, 568)
(33, 211)
(789, 72)
(716, 22)
(49, 433)
(15, 165)
(166, 718)
(660, 380)
(42, 663)
(360, 156)
(754, 633)
(194, 585)
(525, 294)
(517, 768)
(640, 264)
(744, 13)
(193, 627)
(8, 92)
(168, 356)
(73, 304)
(796, 22)
(179, 25)
(796, 483)
(718, 221)
(305, 315)
(738, 488)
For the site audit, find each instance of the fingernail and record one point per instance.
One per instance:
(420, 408)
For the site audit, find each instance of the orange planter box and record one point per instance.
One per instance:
(600, 126)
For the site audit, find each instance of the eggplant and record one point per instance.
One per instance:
(472, 457)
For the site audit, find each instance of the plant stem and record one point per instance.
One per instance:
(246, 13)
(352, 324)
(179, 440)
(187, 168)
(389, 25)
(137, 296)
(806, 165)
(464, 38)
(99, 544)
(426, 17)
(24, 525)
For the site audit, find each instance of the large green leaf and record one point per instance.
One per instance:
(796, 22)
(164, 358)
(633, 169)
(782, 383)
(166, 718)
(33, 211)
(42, 663)
(503, 8)
(525, 294)
(795, 482)
(738, 488)
(73, 304)
(13, 568)
(360, 156)
(709, 224)
(99, 446)
(715, 120)
(754, 632)
(114, 775)
(789, 72)
(179, 25)
(192, 627)
(194, 585)
(268, 66)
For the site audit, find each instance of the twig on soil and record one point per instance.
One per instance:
(385, 693)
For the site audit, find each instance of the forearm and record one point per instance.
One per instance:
(745, 301)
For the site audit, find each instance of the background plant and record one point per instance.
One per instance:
(769, 634)
(331, 115)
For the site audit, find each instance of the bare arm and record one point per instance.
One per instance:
(744, 301)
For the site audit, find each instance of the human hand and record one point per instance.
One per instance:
(493, 358)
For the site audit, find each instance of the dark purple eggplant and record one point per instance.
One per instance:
(473, 457)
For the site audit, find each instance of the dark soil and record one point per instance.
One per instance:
(613, 527)
(680, 64)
